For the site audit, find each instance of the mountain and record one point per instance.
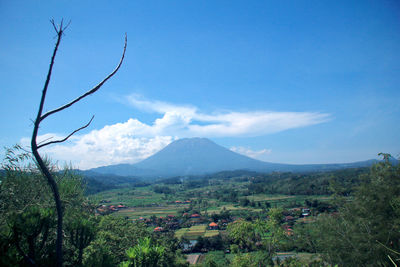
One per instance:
(197, 156)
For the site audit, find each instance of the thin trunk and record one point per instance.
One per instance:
(57, 200)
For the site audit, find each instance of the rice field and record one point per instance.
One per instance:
(195, 231)
(146, 212)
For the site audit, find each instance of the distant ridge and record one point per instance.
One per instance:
(197, 156)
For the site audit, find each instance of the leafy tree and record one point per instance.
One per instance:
(80, 230)
(215, 259)
(243, 234)
(365, 231)
(148, 253)
(27, 214)
(145, 254)
(244, 202)
(255, 259)
(305, 237)
(21, 209)
(30, 233)
(263, 236)
(113, 237)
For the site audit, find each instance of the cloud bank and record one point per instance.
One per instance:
(133, 140)
(187, 121)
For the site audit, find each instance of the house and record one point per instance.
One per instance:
(213, 226)
(305, 212)
(158, 229)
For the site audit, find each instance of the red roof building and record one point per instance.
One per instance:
(213, 226)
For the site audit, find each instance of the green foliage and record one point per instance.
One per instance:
(27, 211)
(153, 252)
(162, 189)
(258, 235)
(113, 237)
(243, 234)
(145, 254)
(80, 228)
(255, 259)
(317, 183)
(30, 233)
(27, 219)
(305, 237)
(365, 231)
(215, 259)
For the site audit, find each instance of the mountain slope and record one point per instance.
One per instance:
(189, 156)
(196, 156)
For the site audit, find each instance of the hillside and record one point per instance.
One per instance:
(197, 156)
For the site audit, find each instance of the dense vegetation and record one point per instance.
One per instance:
(347, 218)
(28, 229)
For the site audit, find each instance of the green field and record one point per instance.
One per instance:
(145, 212)
(195, 231)
(131, 197)
(145, 202)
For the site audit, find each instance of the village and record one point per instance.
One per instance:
(199, 231)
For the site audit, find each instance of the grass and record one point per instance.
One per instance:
(211, 233)
(132, 197)
(230, 207)
(263, 197)
(195, 231)
(145, 212)
(181, 232)
(144, 202)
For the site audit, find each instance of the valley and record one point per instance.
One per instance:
(197, 211)
(228, 218)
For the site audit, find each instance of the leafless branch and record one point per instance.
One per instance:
(66, 138)
(54, 25)
(41, 142)
(34, 145)
(91, 91)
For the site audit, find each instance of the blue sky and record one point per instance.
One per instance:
(280, 81)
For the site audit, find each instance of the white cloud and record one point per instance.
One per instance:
(188, 121)
(133, 140)
(99, 148)
(257, 154)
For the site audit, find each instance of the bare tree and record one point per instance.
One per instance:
(40, 117)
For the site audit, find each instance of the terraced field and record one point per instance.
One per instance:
(145, 212)
(195, 231)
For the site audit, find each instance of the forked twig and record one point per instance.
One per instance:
(91, 91)
(66, 138)
(34, 145)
